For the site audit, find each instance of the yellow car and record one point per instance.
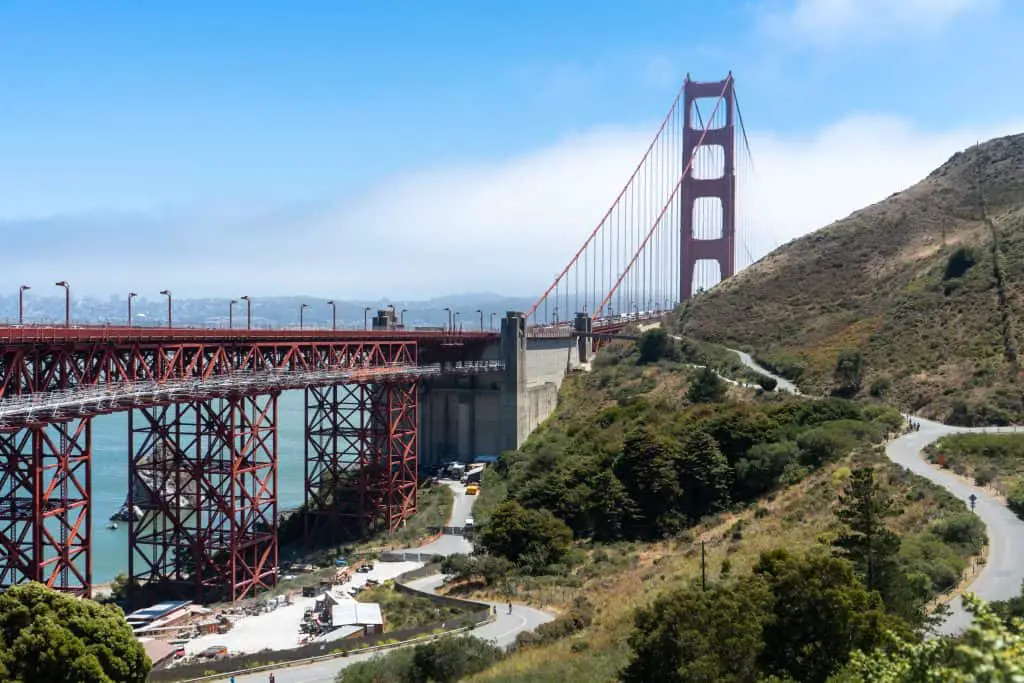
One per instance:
(472, 490)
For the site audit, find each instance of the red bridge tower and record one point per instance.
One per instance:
(719, 244)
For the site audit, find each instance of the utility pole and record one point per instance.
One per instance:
(703, 569)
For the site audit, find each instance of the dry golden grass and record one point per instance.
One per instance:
(875, 282)
(797, 519)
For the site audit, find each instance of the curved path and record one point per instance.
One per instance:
(1001, 576)
(502, 631)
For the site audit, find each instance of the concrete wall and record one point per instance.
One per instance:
(462, 417)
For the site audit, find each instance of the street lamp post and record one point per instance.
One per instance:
(449, 311)
(401, 318)
(21, 303)
(248, 311)
(302, 309)
(67, 302)
(366, 313)
(131, 296)
(334, 314)
(492, 321)
(231, 313)
(170, 307)
(481, 319)
(457, 314)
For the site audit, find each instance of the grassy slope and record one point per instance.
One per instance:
(995, 460)
(635, 573)
(875, 282)
(617, 578)
(404, 610)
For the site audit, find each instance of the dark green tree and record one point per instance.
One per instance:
(533, 537)
(767, 383)
(864, 506)
(704, 475)
(849, 373)
(695, 636)
(707, 387)
(49, 636)
(821, 614)
(653, 345)
(648, 469)
(451, 659)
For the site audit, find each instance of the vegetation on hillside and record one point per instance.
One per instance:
(642, 475)
(406, 610)
(53, 637)
(990, 650)
(642, 450)
(922, 290)
(445, 660)
(995, 460)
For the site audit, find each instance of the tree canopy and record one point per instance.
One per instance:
(50, 637)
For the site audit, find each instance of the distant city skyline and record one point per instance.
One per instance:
(419, 149)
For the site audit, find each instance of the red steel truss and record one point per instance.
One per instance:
(30, 365)
(44, 505)
(204, 475)
(361, 457)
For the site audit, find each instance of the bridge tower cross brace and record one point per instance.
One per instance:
(721, 248)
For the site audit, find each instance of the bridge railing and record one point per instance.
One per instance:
(54, 334)
(98, 399)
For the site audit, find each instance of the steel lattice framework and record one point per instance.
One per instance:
(37, 362)
(204, 476)
(361, 456)
(45, 514)
(203, 456)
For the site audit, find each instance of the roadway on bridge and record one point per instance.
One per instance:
(502, 631)
(1002, 574)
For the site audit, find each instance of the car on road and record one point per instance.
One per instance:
(468, 526)
(472, 490)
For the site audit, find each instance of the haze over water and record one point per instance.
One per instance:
(110, 479)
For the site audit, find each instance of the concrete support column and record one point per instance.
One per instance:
(514, 409)
(584, 326)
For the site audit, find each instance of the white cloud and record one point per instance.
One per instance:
(804, 183)
(505, 226)
(827, 22)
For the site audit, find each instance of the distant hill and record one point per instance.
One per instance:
(268, 311)
(924, 289)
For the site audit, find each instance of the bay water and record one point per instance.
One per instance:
(110, 479)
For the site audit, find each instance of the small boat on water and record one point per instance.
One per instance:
(112, 525)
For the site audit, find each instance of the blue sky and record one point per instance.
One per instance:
(271, 144)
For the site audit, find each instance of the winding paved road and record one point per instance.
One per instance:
(502, 631)
(1002, 575)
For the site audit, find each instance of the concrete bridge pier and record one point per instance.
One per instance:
(583, 325)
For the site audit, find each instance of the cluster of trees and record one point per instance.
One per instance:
(648, 469)
(801, 618)
(49, 636)
(795, 617)
(445, 660)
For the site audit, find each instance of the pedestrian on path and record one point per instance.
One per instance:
(510, 608)
(272, 679)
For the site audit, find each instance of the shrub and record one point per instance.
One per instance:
(984, 476)
(767, 383)
(1015, 499)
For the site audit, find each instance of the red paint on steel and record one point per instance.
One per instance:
(204, 476)
(684, 178)
(45, 516)
(361, 458)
